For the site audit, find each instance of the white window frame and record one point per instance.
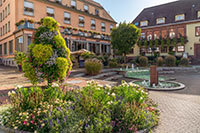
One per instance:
(143, 35)
(50, 10)
(103, 26)
(86, 8)
(81, 18)
(111, 27)
(198, 14)
(73, 3)
(93, 22)
(180, 48)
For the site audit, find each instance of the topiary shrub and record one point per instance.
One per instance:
(170, 61)
(87, 55)
(143, 61)
(48, 57)
(184, 62)
(93, 66)
(160, 61)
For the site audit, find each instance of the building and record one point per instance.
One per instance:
(84, 24)
(172, 27)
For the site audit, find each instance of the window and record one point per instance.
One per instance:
(149, 37)
(28, 8)
(6, 12)
(29, 25)
(1, 33)
(3, 14)
(111, 27)
(198, 14)
(3, 30)
(67, 18)
(197, 31)
(103, 28)
(50, 12)
(143, 35)
(172, 34)
(73, 3)
(180, 17)
(9, 26)
(86, 8)
(81, 21)
(29, 39)
(0, 17)
(136, 24)
(181, 48)
(93, 24)
(6, 29)
(11, 47)
(8, 9)
(160, 20)
(97, 12)
(20, 39)
(144, 23)
(0, 50)
(5, 48)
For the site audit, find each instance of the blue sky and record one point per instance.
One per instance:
(127, 10)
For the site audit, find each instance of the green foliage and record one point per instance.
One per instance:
(124, 37)
(143, 61)
(182, 41)
(62, 65)
(145, 43)
(93, 66)
(48, 54)
(156, 42)
(162, 43)
(19, 57)
(113, 63)
(184, 62)
(140, 43)
(160, 61)
(168, 41)
(170, 61)
(174, 42)
(29, 71)
(94, 108)
(42, 53)
(150, 43)
(88, 55)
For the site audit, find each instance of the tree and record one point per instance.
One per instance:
(124, 37)
(48, 58)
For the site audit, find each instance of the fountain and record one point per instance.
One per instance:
(133, 67)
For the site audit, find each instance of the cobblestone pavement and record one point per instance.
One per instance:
(180, 110)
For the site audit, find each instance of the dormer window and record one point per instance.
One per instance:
(198, 14)
(160, 20)
(86, 8)
(73, 3)
(144, 23)
(180, 17)
(97, 12)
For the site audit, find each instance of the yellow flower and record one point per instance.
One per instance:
(15, 127)
(43, 125)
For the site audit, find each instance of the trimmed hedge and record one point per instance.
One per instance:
(93, 66)
(143, 61)
(170, 61)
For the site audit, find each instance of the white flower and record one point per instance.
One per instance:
(98, 88)
(55, 85)
(18, 87)
(108, 86)
(110, 102)
(100, 85)
(9, 93)
(13, 92)
(141, 98)
(108, 93)
(113, 94)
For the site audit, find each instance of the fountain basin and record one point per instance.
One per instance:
(163, 85)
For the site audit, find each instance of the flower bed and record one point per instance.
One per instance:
(123, 108)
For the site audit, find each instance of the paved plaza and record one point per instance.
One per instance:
(180, 110)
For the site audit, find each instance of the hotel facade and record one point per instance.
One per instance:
(173, 26)
(84, 24)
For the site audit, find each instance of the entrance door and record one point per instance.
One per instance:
(197, 51)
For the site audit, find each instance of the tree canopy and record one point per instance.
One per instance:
(124, 37)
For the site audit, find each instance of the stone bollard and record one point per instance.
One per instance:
(153, 76)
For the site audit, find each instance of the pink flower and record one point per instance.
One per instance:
(33, 116)
(32, 122)
(25, 122)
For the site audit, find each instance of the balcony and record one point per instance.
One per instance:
(25, 24)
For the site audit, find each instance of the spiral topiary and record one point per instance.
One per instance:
(48, 57)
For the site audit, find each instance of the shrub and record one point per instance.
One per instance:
(143, 61)
(87, 55)
(113, 63)
(93, 66)
(19, 57)
(170, 61)
(184, 62)
(48, 57)
(160, 61)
